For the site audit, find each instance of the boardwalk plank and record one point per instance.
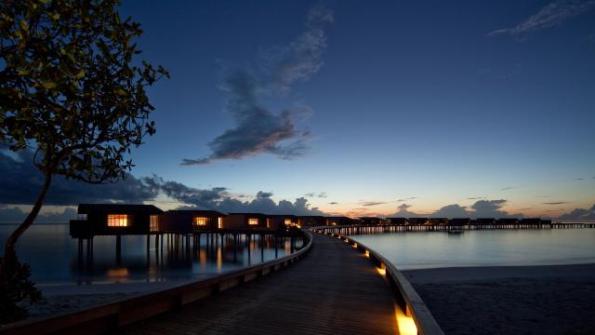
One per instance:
(334, 290)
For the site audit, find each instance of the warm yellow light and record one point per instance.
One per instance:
(220, 222)
(200, 220)
(367, 254)
(381, 271)
(154, 223)
(287, 222)
(253, 221)
(354, 245)
(117, 220)
(118, 273)
(405, 323)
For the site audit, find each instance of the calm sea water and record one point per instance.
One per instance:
(53, 257)
(419, 250)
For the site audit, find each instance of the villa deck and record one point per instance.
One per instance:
(332, 291)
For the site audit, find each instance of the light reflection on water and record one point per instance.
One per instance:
(53, 257)
(418, 250)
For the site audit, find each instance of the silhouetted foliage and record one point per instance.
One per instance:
(72, 91)
(14, 288)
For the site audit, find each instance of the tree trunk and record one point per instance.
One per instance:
(9, 247)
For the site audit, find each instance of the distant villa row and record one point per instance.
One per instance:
(123, 219)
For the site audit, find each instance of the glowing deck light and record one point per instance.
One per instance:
(381, 270)
(354, 245)
(405, 323)
(367, 253)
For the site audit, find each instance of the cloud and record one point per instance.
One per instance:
(580, 179)
(333, 203)
(507, 188)
(552, 14)
(316, 195)
(372, 203)
(490, 208)
(218, 198)
(451, 211)
(475, 198)
(258, 129)
(406, 199)
(555, 203)
(20, 181)
(481, 208)
(403, 211)
(579, 214)
(17, 215)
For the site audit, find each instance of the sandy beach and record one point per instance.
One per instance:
(557, 299)
(58, 299)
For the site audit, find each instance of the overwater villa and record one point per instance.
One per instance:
(188, 221)
(397, 221)
(339, 221)
(247, 221)
(282, 221)
(459, 222)
(114, 219)
(438, 221)
(371, 220)
(417, 221)
(312, 220)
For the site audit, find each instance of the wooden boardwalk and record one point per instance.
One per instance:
(334, 290)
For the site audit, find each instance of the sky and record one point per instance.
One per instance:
(358, 108)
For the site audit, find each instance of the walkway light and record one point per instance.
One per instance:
(405, 323)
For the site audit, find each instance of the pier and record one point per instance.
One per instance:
(332, 291)
(331, 285)
(360, 229)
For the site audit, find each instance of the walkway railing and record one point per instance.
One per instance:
(106, 318)
(405, 295)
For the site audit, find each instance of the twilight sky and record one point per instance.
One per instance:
(367, 109)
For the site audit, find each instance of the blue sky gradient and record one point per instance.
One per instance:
(424, 103)
(413, 99)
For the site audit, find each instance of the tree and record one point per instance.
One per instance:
(72, 90)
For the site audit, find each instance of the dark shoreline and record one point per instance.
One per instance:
(551, 299)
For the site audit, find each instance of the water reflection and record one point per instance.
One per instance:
(416, 250)
(56, 258)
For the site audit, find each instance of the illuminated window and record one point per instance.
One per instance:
(200, 220)
(268, 223)
(253, 221)
(154, 223)
(287, 222)
(117, 220)
(220, 222)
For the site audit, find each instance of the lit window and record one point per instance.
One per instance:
(220, 222)
(117, 220)
(154, 223)
(287, 222)
(253, 221)
(200, 221)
